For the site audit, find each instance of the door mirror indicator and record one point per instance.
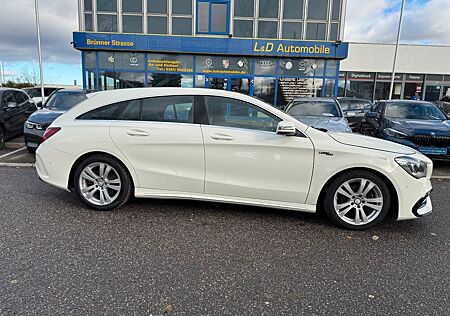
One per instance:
(286, 128)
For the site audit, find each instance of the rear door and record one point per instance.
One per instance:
(160, 139)
(12, 117)
(246, 158)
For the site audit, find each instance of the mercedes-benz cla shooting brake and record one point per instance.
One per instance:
(227, 147)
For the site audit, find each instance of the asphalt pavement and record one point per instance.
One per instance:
(164, 257)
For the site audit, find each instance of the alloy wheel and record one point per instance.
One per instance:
(358, 201)
(100, 183)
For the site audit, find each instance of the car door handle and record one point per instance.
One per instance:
(221, 137)
(137, 132)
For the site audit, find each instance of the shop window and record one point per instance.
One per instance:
(121, 60)
(244, 8)
(264, 88)
(157, 25)
(331, 68)
(132, 6)
(292, 88)
(106, 23)
(107, 5)
(265, 66)
(90, 60)
(243, 28)
(181, 26)
(267, 29)
(316, 31)
(132, 23)
(329, 88)
(87, 5)
(110, 80)
(432, 92)
(292, 30)
(336, 10)
(182, 7)
(360, 89)
(293, 9)
(413, 91)
(213, 16)
(317, 9)
(334, 32)
(88, 26)
(268, 8)
(169, 80)
(382, 91)
(157, 6)
(90, 80)
(301, 67)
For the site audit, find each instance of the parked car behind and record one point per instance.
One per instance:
(15, 107)
(324, 113)
(355, 110)
(57, 104)
(417, 124)
(36, 95)
(444, 104)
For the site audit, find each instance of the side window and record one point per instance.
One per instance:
(108, 112)
(178, 109)
(8, 97)
(344, 105)
(235, 113)
(48, 91)
(20, 98)
(379, 107)
(132, 111)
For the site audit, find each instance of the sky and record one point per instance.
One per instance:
(371, 21)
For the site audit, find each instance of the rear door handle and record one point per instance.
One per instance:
(137, 132)
(221, 137)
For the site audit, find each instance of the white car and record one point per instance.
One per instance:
(227, 147)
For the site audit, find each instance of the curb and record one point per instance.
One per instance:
(17, 165)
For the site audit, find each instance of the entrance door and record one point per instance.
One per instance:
(229, 83)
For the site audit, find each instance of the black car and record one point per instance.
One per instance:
(36, 95)
(15, 107)
(57, 104)
(355, 110)
(417, 124)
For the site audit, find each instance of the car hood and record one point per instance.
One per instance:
(336, 124)
(371, 143)
(45, 116)
(441, 128)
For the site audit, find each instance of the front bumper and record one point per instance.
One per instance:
(32, 137)
(429, 151)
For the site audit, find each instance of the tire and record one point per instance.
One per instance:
(351, 204)
(103, 191)
(2, 138)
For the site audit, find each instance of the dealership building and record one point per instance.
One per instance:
(272, 49)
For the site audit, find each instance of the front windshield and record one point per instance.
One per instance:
(314, 108)
(63, 101)
(414, 111)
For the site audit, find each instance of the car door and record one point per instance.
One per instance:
(158, 136)
(11, 114)
(245, 157)
(26, 107)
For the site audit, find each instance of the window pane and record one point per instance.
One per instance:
(132, 111)
(267, 29)
(169, 109)
(239, 114)
(132, 24)
(106, 23)
(264, 88)
(317, 9)
(88, 22)
(103, 113)
(336, 10)
(331, 68)
(244, 8)
(203, 17)
(243, 28)
(316, 31)
(334, 32)
(182, 7)
(120, 80)
(157, 6)
(292, 30)
(132, 6)
(157, 25)
(169, 80)
(87, 5)
(90, 59)
(293, 9)
(219, 12)
(107, 5)
(268, 8)
(182, 26)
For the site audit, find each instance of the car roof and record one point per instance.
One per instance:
(3, 89)
(353, 99)
(318, 99)
(75, 90)
(404, 101)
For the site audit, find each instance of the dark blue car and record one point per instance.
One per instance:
(417, 124)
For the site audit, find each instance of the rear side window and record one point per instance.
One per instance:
(21, 97)
(131, 111)
(109, 112)
(179, 109)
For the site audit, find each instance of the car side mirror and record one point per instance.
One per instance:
(350, 114)
(286, 128)
(11, 105)
(373, 115)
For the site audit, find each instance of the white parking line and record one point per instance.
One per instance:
(12, 152)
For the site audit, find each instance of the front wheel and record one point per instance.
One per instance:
(102, 183)
(357, 200)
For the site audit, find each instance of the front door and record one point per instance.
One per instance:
(230, 83)
(246, 158)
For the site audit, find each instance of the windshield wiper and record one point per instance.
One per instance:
(320, 129)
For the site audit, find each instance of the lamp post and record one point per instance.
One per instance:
(38, 33)
(391, 90)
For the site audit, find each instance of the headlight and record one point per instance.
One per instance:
(394, 133)
(415, 167)
(31, 125)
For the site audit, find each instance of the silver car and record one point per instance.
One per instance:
(321, 113)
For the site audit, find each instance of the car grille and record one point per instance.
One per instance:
(430, 140)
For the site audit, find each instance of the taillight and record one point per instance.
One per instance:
(49, 133)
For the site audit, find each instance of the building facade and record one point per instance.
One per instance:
(272, 49)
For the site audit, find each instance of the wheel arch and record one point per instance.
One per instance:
(70, 184)
(394, 209)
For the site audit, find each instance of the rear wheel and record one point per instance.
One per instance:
(357, 200)
(102, 183)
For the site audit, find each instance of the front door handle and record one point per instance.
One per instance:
(221, 137)
(137, 132)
